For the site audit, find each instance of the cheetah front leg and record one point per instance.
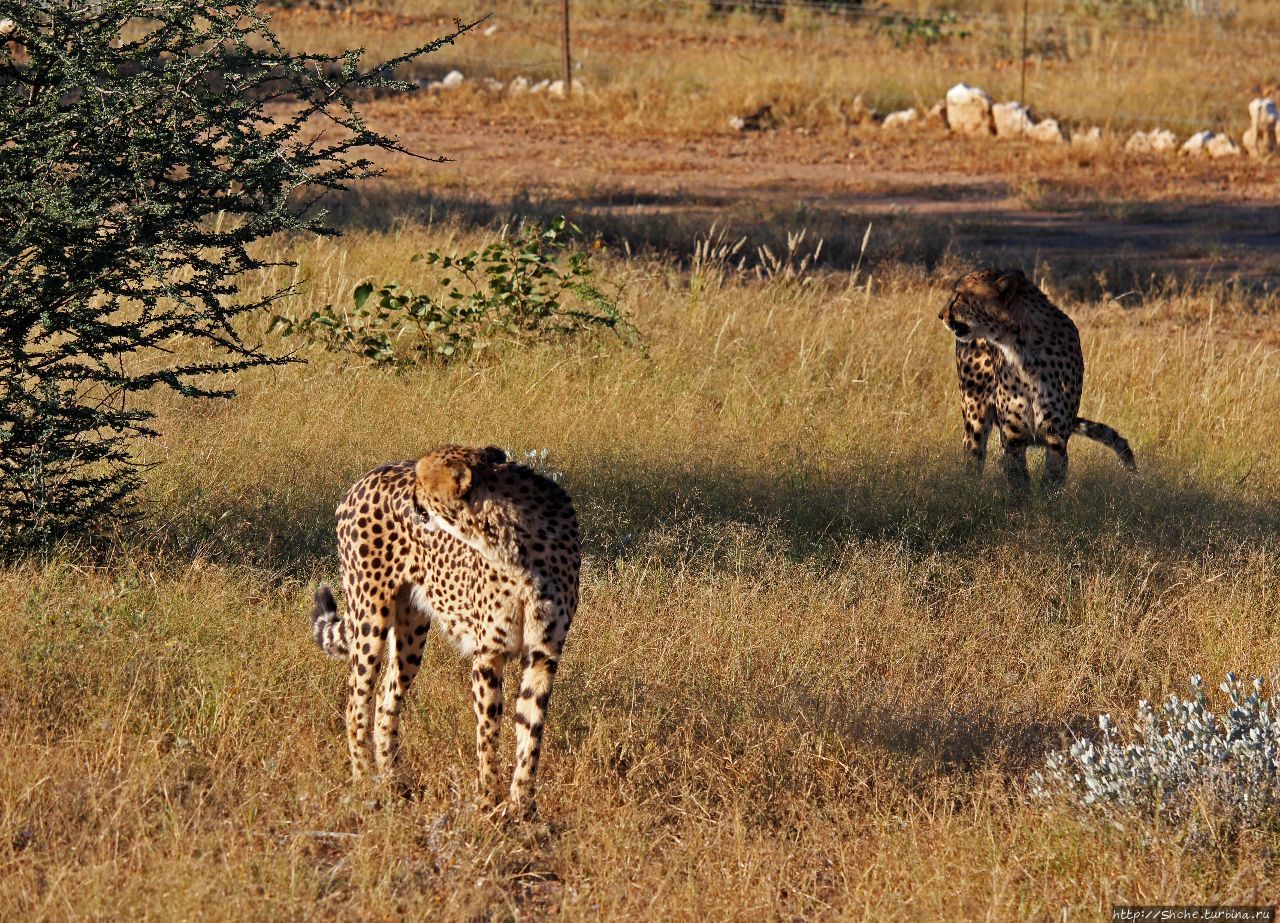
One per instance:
(979, 415)
(486, 697)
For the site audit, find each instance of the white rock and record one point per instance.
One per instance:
(1047, 131)
(1012, 120)
(579, 87)
(1209, 143)
(1221, 145)
(557, 89)
(1163, 140)
(1262, 137)
(490, 30)
(518, 85)
(492, 85)
(1197, 144)
(540, 86)
(1156, 141)
(452, 80)
(903, 118)
(434, 86)
(969, 110)
(1089, 140)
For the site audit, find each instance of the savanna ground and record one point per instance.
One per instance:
(814, 665)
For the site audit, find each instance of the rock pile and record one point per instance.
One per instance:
(1089, 140)
(518, 86)
(904, 118)
(1156, 141)
(969, 110)
(1209, 143)
(1012, 120)
(1047, 131)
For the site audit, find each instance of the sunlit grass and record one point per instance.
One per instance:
(813, 668)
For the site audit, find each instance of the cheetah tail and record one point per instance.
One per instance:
(1100, 432)
(328, 627)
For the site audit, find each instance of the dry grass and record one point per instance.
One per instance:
(670, 68)
(813, 666)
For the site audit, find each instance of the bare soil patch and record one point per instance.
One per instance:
(1002, 202)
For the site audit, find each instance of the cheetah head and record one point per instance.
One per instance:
(447, 478)
(454, 493)
(984, 305)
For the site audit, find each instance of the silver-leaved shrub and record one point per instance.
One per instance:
(1179, 758)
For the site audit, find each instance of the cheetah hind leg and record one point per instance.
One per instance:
(536, 680)
(366, 658)
(1014, 460)
(404, 658)
(1055, 462)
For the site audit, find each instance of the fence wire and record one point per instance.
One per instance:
(538, 20)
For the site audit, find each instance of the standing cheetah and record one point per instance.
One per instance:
(484, 548)
(1020, 367)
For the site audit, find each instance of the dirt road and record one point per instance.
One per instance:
(994, 201)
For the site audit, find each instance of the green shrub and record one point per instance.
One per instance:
(905, 29)
(145, 147)
(533, 287)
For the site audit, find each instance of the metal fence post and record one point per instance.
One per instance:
(1022, 93)
(568, 64)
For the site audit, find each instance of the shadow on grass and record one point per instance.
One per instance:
(1083, 254)
(787, 740)
(954, 743)
(920, 506)
(716, 518)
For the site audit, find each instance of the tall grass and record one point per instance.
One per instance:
(813, 668)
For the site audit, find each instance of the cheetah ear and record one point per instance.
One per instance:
(1007, 284)
(443, 478)
(491, 455)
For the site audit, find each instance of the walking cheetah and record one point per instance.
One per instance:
(1020, 367)
(482, 547)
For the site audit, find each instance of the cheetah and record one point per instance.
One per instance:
(1020, 366)
(485, 549)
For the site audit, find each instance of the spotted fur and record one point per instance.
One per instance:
(483, 548)
(1021, 369)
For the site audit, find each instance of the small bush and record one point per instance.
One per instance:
(904, 29)
(1192, 758)
(534, 287)
(146, 147)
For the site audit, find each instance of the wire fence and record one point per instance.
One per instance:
(984, 36)
(1207, 26)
